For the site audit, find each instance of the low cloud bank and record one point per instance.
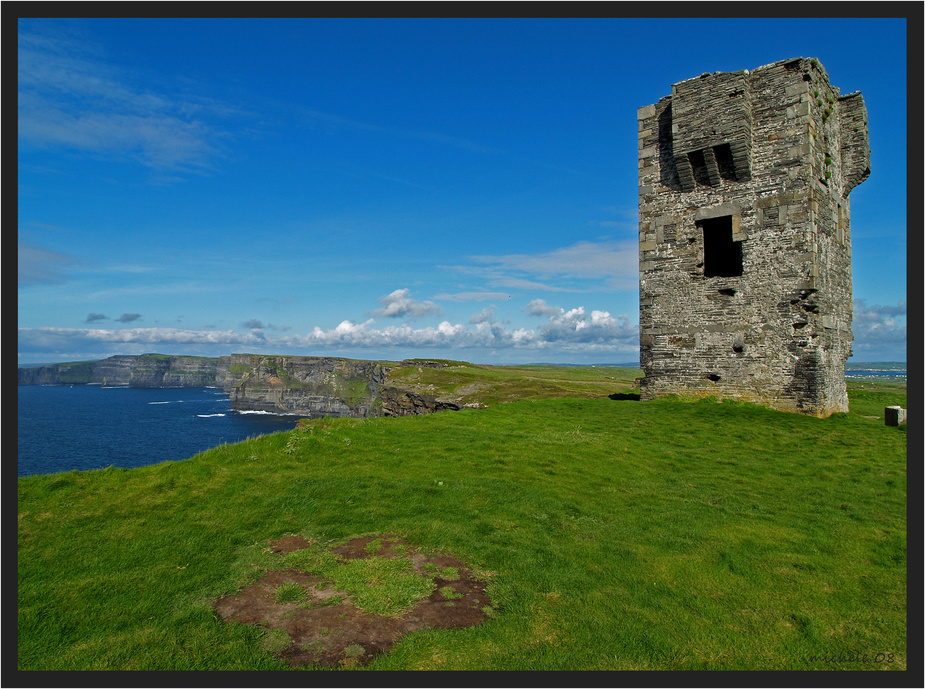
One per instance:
(880, 334)
(573, 331)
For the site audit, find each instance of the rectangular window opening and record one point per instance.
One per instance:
(722, 257)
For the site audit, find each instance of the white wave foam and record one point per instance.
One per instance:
(208, 416)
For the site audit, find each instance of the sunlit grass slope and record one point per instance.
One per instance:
(616, 534)
(478, 386)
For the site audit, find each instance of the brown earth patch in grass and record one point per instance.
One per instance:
(325, 628)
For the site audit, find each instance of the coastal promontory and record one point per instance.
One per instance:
(301, 385)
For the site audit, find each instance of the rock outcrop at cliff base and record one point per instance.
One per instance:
(398, 402)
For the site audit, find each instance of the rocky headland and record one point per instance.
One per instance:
(302, 385)
(142, 371)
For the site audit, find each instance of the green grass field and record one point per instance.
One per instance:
(616, 534)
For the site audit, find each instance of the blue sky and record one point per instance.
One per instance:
(387, 188)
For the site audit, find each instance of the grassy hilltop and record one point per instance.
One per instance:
(607, 534)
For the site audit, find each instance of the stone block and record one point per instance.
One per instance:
(894, 416)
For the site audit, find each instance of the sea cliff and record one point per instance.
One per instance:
(142, 371)
(325, 386)
(305, 385)
(300, 385)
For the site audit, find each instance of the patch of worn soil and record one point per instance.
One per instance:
(327, 629)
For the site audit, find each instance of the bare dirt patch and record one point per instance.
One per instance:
(325, 628)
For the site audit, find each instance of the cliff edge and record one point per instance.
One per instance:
(142, 371)
(324, 386)
(299, 385)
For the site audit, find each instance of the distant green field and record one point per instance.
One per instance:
(615, 534)
(481, 386)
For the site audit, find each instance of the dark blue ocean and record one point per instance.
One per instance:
(892, 375)
(81, 427)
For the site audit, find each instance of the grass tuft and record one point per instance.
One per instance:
(290, 593)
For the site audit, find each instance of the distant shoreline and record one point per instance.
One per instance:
(850, 366)
(894, 371)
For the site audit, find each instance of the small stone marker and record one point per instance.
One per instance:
(893, 416)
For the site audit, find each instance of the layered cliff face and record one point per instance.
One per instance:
(157, 371)
(323, 386)
(305, 385)
(145, 371)
(77, 373)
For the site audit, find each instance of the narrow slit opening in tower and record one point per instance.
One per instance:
(722, 257)
(724, 161)
(699, 166)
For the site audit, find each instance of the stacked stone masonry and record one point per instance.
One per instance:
(745, 239)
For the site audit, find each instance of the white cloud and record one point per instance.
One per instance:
(399, 304)
(576, 327)
(879, 330)
(539, 307)
(364, 336)
(572, 330)
(486, 315)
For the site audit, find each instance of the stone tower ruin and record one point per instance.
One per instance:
(745, 239)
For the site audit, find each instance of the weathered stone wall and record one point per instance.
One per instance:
(744, 236)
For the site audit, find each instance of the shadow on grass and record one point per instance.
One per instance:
(624, 396)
